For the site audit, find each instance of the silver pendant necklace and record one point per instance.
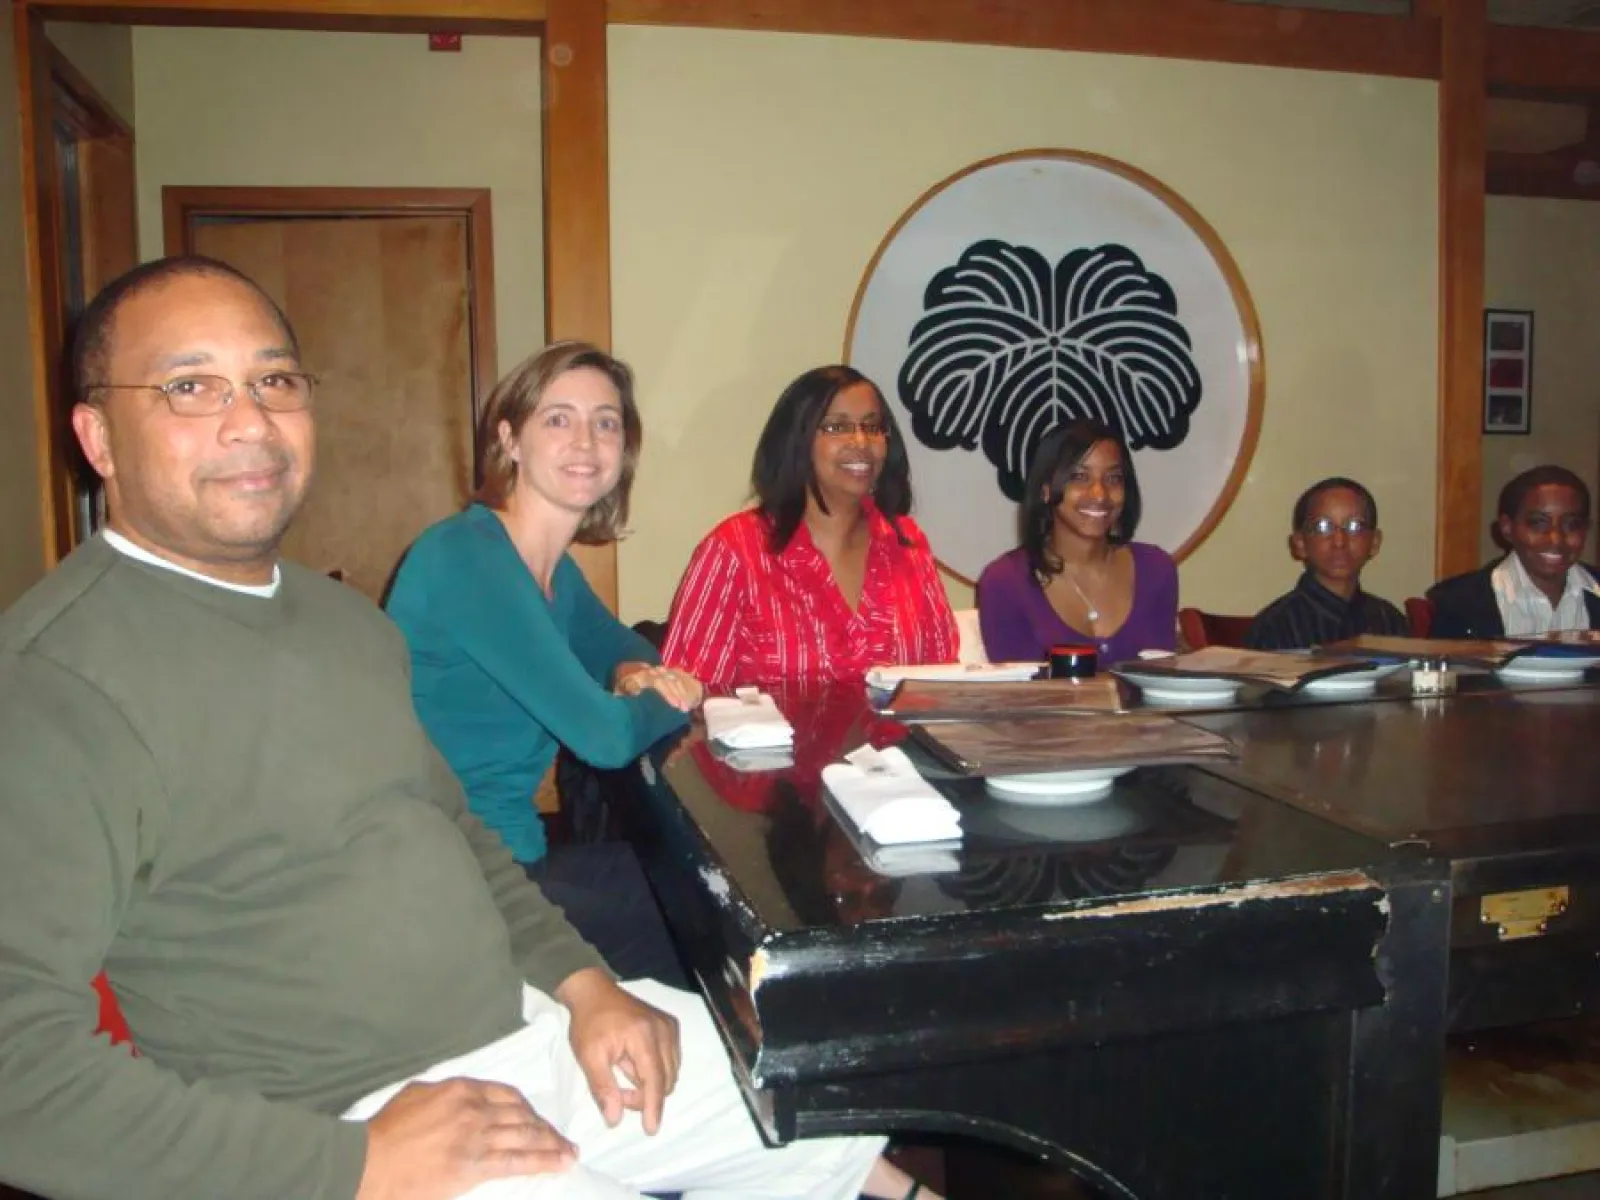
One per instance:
(1094, 612)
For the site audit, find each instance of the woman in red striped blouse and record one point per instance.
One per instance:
(827, 576)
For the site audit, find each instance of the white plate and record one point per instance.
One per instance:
(1179, 689)
(887, 678)
(1055, 788)
(1547, 668)
(1353, 683)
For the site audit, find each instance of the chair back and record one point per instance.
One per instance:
(969, 637)
(1419, 615)
(1202, 629)
(654, 632)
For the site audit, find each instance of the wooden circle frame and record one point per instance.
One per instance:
(1209, 238)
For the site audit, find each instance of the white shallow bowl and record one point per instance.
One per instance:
(1179, 689)
(1547, 668)
(1353, 683)
(1055, 789)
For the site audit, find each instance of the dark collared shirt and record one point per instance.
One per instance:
(1311, 615)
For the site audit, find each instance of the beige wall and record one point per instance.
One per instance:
(21, 536)
(1545, 255)
(352, 110)
(753, 176)
(104, 53)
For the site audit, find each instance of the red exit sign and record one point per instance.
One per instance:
(450, 42)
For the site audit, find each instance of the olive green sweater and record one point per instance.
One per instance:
(226, 801)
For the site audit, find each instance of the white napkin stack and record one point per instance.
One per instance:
(747, 720)
(884, 797)
(750, 762)
(912, 858)
(887, 678)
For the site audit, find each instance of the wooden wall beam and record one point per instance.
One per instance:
(1463, 152)
(464, 16)
(46, 332)
(1552, 176)
(577, 204)
(1543, 59)
(1196, 29)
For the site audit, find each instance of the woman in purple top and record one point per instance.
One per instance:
(1079, 577)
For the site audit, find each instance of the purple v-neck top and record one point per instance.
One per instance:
(1020, 626)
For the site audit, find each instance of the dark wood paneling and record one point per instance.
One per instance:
(490, 16)
(1543, 59)
(1197, 29)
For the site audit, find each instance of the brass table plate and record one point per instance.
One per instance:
(1523, 914)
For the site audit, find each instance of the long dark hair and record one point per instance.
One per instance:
(782, 477)
(1053, 461)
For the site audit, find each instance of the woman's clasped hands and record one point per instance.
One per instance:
(678, 688)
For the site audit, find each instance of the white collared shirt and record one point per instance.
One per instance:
(122, 545)
(1525, 610)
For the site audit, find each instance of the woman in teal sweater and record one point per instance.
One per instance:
(513, 655)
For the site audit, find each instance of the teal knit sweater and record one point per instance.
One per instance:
(503, 676)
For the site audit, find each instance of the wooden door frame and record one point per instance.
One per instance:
(42, 70)
(102, 130)
(578, 285)
(181, 205)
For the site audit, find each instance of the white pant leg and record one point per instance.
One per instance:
(537, 1060)
(708, 1146)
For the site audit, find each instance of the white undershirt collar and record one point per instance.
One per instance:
(123, 546)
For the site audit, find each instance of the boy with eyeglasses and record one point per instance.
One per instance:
(1335, 534)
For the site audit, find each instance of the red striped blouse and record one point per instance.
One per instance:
(745, 615)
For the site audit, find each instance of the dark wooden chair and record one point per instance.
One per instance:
(1419, 615)
(586, 814)
(1201, 629)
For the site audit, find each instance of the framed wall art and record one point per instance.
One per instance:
(1507, 370)
(1038, 287)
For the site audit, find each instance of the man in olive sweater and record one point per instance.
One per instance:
(213, 786)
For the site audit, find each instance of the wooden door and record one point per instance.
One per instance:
(382, 308)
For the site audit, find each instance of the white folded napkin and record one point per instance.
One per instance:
(913, 858)
(885, 678)
(884, 797)
(747, 720)
(764, 758)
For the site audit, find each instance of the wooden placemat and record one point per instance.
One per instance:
(1070, 743)
(921, 700)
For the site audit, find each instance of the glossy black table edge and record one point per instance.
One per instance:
(1383, 1131)
(1262, 697)
(1377, 996)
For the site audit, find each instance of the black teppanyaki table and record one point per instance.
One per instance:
(1192, 990)
(1503, 784)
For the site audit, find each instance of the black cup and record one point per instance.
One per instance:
(1073, 662)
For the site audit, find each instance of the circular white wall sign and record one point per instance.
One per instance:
(1039, 287)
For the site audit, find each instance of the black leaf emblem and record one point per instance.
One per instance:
(1009, 348)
